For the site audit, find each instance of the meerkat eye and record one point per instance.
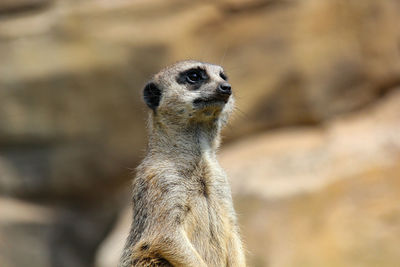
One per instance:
(223, 76)
(193, 76)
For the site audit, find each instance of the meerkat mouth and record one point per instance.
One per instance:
(209, 102)
(216, 100)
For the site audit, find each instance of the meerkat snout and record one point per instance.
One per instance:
(225, 89)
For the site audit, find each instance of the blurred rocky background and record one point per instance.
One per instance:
(313, 151)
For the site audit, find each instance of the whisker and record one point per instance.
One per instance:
(241, 114)
(221, 61)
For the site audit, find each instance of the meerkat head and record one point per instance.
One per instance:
(190, 92)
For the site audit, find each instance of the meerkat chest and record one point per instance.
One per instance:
(209, 222)
(211, 184)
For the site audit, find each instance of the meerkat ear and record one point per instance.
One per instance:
(152, 95)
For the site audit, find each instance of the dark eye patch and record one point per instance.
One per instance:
(223, 76)
(194, 77)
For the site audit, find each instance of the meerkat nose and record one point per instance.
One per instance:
(225, 89)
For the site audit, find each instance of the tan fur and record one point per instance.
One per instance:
(182, 206)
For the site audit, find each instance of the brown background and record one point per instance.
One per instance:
(313, 151)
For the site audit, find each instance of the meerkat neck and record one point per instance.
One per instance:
(184, 142)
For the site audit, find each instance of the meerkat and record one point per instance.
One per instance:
(183, 213)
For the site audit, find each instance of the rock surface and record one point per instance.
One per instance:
(282, 163)
(72, 123)
(353, 222)
(322, 196)
(33, 234)
(73, 92)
